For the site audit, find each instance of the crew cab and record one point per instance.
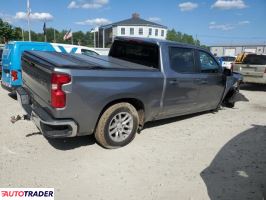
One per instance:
(112, 97)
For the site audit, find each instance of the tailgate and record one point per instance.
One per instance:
(36, 76)
(250, 70)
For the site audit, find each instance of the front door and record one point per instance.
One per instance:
(211, 81)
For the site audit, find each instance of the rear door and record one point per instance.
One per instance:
(211, 81)
(182, 90)
(6, 62)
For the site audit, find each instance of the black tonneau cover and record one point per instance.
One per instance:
(79, 61)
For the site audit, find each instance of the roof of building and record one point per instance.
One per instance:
(135, 20)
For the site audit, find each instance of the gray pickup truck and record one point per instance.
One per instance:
(112, 97)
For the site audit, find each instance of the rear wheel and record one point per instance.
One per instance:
(117, 126)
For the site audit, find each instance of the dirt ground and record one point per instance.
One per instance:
(205, 156)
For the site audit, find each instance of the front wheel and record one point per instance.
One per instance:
(117, 126)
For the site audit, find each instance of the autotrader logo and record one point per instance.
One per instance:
(26, 193)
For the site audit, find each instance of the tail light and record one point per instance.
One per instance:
(58, 96)
(14, 75)
(265, 71)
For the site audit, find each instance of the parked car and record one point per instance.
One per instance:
(11, 76)
(226, 61)
(252, 67)
(141, 80)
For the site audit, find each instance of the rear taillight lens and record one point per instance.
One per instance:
(265, 70)
(58, 96)
(14, 75)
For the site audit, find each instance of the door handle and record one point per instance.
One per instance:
(173, 82)
(201, 81)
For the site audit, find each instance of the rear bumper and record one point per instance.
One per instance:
(7, 87)
(49, 127)
(250, 79)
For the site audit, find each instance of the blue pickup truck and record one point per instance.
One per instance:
(11, 63)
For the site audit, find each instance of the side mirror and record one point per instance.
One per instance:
(227, 72)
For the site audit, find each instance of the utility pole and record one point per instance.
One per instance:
(28, 15)
(22, 33)
(44, 31)
(54, 36)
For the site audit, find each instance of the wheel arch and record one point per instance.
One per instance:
(138, 104)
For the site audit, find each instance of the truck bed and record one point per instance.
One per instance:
(79, 61)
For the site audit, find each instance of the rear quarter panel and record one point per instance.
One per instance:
(91, 90)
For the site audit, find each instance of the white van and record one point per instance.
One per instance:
(69, 48)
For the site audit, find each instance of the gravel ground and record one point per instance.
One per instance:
(205, 156)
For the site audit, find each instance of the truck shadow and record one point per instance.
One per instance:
(238, 171)
(253, 87)
(71, 143)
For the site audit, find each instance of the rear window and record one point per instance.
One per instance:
(136, 52)
(255, 59)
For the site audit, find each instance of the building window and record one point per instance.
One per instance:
(140, 31)
(123, 31)
(131, 31)
(162, 33)
(150, 31)
(156, 32)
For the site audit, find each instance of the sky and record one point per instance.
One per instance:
(210, 21)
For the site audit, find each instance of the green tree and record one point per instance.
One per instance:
(7, 32)
(181, 37)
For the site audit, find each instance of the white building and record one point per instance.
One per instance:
(234, 50)
(133, 27)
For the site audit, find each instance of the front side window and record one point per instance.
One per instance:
(207, 63)
(140, 31)
(123, 31)
(131, 31)
(182, 60)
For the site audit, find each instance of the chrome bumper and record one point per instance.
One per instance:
(48, 126)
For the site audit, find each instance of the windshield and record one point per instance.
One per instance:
(88, 52)
(228, 59)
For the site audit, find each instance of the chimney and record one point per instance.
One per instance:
(135, 15)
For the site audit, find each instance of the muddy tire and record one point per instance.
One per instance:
(117, 126)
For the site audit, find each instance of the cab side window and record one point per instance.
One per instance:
(182, 60)
(207, 63)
